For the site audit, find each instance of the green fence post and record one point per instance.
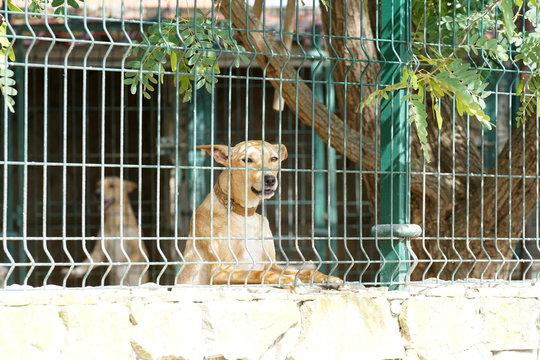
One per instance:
(199, 133)
(395, 20)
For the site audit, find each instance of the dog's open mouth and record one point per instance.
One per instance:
(266, 192)
(107, 204)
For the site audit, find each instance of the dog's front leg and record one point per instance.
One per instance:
(97, 255)
(227, 274)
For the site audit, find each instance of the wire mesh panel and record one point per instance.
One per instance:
(270, 142)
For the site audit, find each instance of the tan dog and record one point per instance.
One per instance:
(249, 256)
(120, 224)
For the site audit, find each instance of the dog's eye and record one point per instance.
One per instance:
(248, 160)
(274, 159)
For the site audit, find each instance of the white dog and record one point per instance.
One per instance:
(124, 246)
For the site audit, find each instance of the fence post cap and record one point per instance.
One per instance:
(396, 230)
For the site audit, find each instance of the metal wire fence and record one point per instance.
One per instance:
(105, 108)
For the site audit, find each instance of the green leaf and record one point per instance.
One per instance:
(520, 87)
(418, 115)
(57, 3)
(459, 106)
(61, 11)
(174, 60)
(209, 87)
(184, 83)
(13, 7)
(438, 115)
(405, 78)
(189, 53)
(492, 44)
(244, 59)
(414, 80)
(194, 59)
(11, 54)
(208, 61)
(189, 40)
(200, 83)
(73, 4)
(187, 97)
(508, 18)
(135, 64)
(435, 88)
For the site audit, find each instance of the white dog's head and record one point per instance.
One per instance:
(112, 187)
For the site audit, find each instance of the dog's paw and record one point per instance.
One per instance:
(333, 280)
(287, 282)
(75, 272)
(320, 278)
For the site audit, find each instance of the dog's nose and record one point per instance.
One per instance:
(98, 194)
(269, 180)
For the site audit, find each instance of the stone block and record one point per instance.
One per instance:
(31, 332)
(348, 326)
(444, 328)
(511, 323)
(250, 329)
(167, 330)
(97, 332)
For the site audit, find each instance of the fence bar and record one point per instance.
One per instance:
(394, 140)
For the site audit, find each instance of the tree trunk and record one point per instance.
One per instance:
(441, 191)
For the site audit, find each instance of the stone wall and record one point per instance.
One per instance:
(437, 321)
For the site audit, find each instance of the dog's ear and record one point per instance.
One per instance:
(220, 153)
(129, 185)
(284, 153)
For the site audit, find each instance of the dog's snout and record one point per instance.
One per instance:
(269, 180)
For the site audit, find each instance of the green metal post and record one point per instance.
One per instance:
(491, 135)
(19, 77)
(202, 122)
(395, 20)
(10, 221)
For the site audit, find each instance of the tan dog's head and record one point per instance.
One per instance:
(259, 183)
(112, 186)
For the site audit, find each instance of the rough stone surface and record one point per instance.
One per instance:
(510, 324)
(344, 327)
(247, 330)
(97, 332)
(167, 330)
(515, 355)
(444, 328)
(31, 332)
(497, 321)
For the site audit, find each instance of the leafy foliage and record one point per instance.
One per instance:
(6, 75)
(449, 78)
(452, 44)
(529, 86)
(36, 7)
(191, 49)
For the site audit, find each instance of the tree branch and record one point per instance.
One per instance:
(297, 95)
